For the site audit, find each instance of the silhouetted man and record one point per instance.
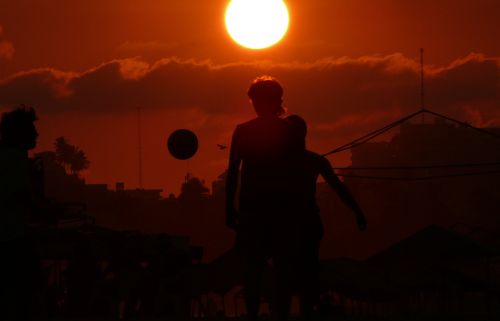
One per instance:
(305, 168)
(17, 136)
(260, 146)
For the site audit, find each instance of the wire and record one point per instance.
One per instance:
(420, 167)
(419, 178)
(366, 138)
(481, 130)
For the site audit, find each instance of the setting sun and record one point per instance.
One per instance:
(257, 24)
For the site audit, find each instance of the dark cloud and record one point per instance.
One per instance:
(6, 47)
(328, 92)
(340, 98)
(44, 88)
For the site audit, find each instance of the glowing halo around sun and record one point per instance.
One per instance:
(257, 24)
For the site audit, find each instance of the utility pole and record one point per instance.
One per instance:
(139, 145)
(422, 103)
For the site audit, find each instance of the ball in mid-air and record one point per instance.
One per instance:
(182, 144)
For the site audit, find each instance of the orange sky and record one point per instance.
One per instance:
(347, 67)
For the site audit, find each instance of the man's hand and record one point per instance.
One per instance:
(232, 218)
(360, 219)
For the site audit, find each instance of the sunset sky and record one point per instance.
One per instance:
(347, 67)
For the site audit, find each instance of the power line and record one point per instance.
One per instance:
(481, 130)
(420, 166)
(366, 138)
(388, 178)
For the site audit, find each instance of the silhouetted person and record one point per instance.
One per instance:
(305, 168)
(17, 136)
(260, 146)
(82, 275)
(130, 278)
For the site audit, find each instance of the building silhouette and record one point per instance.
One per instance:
(432, 172)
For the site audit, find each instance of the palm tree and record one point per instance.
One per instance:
(70, 157)
(79, 162)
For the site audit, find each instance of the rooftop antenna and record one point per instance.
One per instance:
(139, 145)
(422, 103)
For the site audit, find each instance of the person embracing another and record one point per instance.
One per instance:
(259, 149)
(305, 167)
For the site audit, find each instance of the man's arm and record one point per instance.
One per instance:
(232, 181)
(344, 193)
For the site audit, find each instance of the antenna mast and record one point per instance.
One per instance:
(422, 102)
(139, 145)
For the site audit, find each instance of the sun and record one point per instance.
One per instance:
(257, 24)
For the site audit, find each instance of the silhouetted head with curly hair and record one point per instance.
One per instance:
(17, 128)
(266, 95)
(298, 131)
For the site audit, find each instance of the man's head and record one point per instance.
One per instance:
(17, 128)
(266, 95)
(298, 130)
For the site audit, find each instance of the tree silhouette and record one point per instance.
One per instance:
(70, 157)
(79, 162)
(63, 152)
(193, 189)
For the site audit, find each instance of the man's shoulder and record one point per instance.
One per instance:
(316, 157)
(263, 123)
(248, 124)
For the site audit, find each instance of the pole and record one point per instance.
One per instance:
(139, 145)
(422, 102)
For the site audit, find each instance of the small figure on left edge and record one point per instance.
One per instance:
(18, 135)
